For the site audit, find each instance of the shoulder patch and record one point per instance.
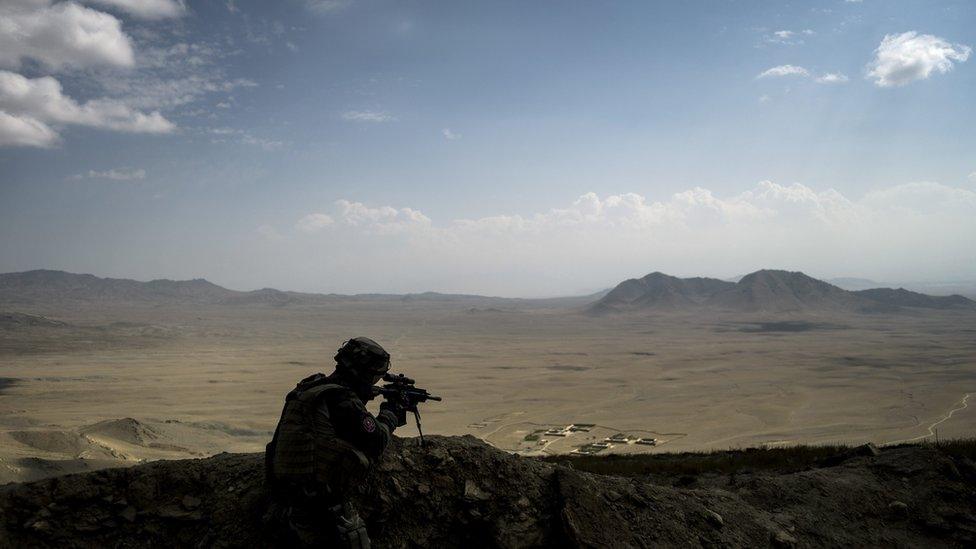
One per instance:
(369, 424)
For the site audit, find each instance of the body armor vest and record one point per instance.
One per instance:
(302, 453)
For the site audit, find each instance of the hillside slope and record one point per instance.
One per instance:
(458, 491)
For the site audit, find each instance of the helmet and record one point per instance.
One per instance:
(364, 358)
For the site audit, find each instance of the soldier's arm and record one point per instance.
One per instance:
(353, 422)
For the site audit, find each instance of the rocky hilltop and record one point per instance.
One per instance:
(767, 290)
(661, 291)
(458, 491)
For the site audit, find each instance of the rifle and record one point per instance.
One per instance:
(402, 390)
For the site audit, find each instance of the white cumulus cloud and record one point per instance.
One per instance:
(33, 105)
(61, 34)
(904, 58)
(145, 9)
(385, 219)
(24, 131)
(601, 239)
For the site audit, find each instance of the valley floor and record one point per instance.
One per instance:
(121, 385)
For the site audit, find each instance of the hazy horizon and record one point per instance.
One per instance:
(916, 285)
(508, 149)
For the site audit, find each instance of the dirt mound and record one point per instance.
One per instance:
(458, 491)
(127, 430)
(57, 442)
(65, 444)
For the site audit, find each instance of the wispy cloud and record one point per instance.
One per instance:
(170, 76)
(268, 232)
(793, 70)
(450, 135)
(904, 58)
(145, 9)
(244, 137)
(314, 222)
(787, 37)
(368, 116)
(114, 174)
(784, 70)
(327, 6)
(832, 78)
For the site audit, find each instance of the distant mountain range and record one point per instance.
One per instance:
(59, 287)
(765, 290)
(762, 291)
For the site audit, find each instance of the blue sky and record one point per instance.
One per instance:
(513, 148)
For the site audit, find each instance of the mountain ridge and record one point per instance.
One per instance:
(765, 290)
(47, 283)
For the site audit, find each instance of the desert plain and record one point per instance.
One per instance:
(90, 385)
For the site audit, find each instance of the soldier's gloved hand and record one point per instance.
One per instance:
(397, 410)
